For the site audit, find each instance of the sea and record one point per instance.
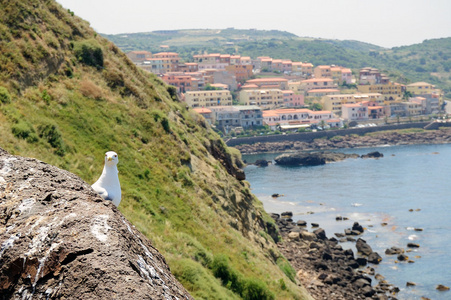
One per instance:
(403, 197)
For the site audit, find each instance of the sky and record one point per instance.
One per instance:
(386, 23)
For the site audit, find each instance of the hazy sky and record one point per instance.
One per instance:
(387, 23)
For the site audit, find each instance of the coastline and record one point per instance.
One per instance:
(326, 269)
(321, 266)
(376, 139)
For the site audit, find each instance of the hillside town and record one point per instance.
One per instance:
(239, 92)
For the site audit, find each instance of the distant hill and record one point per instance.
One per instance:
(428, 61)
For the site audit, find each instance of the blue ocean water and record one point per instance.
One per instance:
(409, 188)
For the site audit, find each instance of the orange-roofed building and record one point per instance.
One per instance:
(241, 72)
(205, 112)
(296, 67)
(354, 112)
(292, 118)
(279, 83)
(291, 99)
(317, 83)
(183, 83)
(322, 72)
(307, 69)
(322, 92)
(138, 56)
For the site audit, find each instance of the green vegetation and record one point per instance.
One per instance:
(69, 95)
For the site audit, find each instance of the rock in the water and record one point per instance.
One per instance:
(363, 247)
(63, 241)
(311, 158)
(261, 163)
(442, 287)
(375, 154)
(394, 250)
(374, 258)
(357, 227)
(413, 245)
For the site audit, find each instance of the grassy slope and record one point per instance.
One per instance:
(68, 109)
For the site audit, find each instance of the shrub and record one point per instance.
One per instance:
(90, 90)
(255, 289)
(89, 53)
(53, 136)
(229, 277)
(5, 97)
(24, 130)
(165, 124)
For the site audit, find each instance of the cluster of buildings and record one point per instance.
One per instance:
(225, 90)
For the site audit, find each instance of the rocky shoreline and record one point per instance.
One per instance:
(326, 269)
(440, 136)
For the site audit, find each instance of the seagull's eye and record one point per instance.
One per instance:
(115, 156)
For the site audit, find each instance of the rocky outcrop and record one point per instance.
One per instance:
(326, 269)
(59, 240)
(345, 140)
(311, 158)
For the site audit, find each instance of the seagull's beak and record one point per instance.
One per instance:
(110, 158)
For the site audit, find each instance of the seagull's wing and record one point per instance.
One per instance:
(101, 191)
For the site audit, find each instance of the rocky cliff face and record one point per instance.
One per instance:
(60, 240)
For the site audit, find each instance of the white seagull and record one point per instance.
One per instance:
(108, 186)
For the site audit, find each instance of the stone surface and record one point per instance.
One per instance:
(363, 247)
(62, 241)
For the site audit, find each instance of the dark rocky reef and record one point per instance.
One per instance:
(59, 240)
(318, 158)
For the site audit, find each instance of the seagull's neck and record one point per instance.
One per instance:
(109, 169)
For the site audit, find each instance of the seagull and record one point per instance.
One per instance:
(108, 186)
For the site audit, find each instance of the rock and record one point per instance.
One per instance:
(362, 282)
(315, 225)
(287, 214)
(375, 154)
(374, 258)
(261, 163)
(368, 291)
(394, 250)
(301, 223)
(275, 196)
(308, 236)
(363, 247)
(320, 234)
(311, 158)
(362, 261)
(402, 257)
(442, 288)
(66, 242)
(410, 283)
(294, 236)
(357, 227)
(413, 245)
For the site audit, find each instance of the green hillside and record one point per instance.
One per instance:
(428, 61)
(68, 95)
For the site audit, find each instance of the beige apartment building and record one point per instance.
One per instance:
(270, 98)
(422, 88)
(208, 98)
(317, 83)
(334, 103)
(390, 91)
(271, 83)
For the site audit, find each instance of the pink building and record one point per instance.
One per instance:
(290, 99)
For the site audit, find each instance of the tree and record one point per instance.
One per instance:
(407, 95)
